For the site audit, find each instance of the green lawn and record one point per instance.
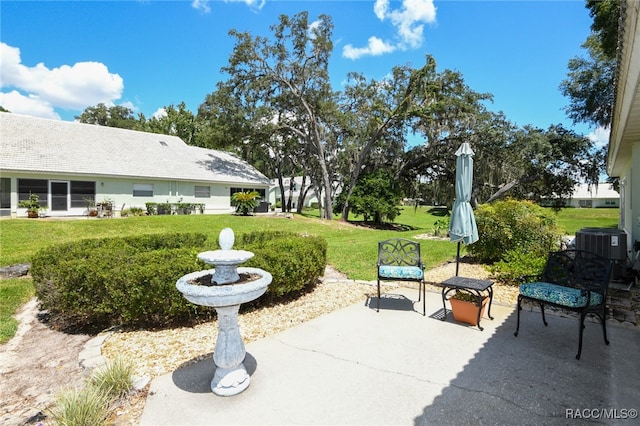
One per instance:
(14, 293)
(352, 249)
(571, 220)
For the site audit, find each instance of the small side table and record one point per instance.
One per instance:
(474, 286)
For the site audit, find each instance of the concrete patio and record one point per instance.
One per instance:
(356, 366)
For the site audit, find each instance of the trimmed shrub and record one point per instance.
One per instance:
(294, 260)
(97, 283)
(518, 226)
(118, 281)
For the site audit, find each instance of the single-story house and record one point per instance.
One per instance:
(71, 165)
(623, 159)
(595, 197)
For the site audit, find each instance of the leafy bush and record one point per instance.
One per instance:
(294, 260)
(245, 202)
(118, 281)
(519, 226)
(152, 208)
(516, 265)
(135, 211)
(131, 281)
(441, 226)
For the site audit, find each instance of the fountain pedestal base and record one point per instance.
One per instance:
(229, 382)
(230, 377)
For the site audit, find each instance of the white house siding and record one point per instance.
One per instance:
(116, 160)
(624, 143)
(120, 192)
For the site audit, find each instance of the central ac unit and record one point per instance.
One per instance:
(605, 242)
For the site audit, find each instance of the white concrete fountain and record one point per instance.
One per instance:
(225, 293)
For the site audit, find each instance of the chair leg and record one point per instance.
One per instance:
(518, 308)
(424, 298)
(544, 320)
(378, 308)
(582, 316)
(603, 320)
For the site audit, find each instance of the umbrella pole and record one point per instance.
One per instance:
(458, 259)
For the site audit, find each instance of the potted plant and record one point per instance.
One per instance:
(32, 205)
(91, 207)
(465, 307)
(164, 208)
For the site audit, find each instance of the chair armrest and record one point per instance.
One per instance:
(528, 278)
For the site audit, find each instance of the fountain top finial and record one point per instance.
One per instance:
(226, 239)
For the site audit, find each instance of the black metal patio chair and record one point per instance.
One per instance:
(399, 260)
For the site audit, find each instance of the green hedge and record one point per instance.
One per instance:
(99, 283)
(294, 260)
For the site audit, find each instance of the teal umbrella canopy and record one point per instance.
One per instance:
(462, 226)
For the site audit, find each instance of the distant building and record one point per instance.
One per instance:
(275, 196)
(594, 197)
(68, 163)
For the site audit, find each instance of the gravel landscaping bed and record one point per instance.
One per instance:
(159, 352)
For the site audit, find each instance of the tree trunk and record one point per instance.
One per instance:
(281, 185)
(302, 194)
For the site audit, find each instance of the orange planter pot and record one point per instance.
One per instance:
(467, 312)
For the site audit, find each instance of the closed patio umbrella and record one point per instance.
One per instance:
(462, 227)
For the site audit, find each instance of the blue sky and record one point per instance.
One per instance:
(60, 57)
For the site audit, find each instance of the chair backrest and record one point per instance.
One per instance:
(399, 252)
(578, 269)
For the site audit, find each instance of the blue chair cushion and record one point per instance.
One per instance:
(553, 293)
(400, 272)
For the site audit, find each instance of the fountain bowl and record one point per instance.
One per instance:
(224, 295)
(225, 257)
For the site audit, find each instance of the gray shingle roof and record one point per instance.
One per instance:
(49, 146)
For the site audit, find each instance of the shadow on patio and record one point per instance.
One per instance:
(535, 378)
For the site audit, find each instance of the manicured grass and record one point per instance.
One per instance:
(572, 220)
(352, 248)
(14, 293)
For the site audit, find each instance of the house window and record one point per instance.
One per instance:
(82, 192)
(142, 190)
(261, 191)
(33, 186)
(203, 191)
(5, 193)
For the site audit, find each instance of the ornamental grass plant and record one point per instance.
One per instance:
(92, 404)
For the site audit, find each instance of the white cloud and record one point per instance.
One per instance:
(600, 136)
(408, 21)
(72, 87)
(160, 113)
(202, 5)
(18, 103)
(375, 47)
